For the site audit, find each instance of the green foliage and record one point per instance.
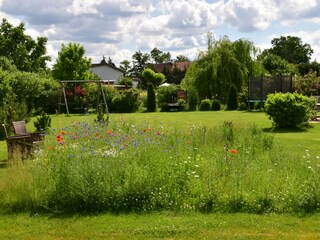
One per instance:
(232, 103)
(225, 63)
(126, 81)
(139, 63)
(289, 109)
(151, 77)
(165, 95)
(182, 104)
(291, 48)
(160, 57)
(24, 52)
(125, 167)
(72, 63)
(38, 91)
(275, 65)
(126, 101)
(12, 110)
(151, 99)
(205, 105)
(193, 99)
(215, 105)
(309, 84)
(101, 114)
(43, 122)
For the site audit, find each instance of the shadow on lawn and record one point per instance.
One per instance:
(304, 128)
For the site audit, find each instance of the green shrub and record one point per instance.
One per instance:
(215, 106)
(243, 106)
(43, 122)
(289, 109)
(126, 101)
(165, 95)
(126, 81)
(232, 103)
(182, 104)
(151, 99)
(205, 105)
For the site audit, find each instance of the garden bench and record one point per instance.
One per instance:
(173, 107)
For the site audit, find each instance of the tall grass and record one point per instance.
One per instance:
(126, 167)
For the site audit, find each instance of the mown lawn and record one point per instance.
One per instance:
(160, 226)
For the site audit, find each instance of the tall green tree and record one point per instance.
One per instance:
(25, 53)
(225, 63)
(125, 67)
(290, 48)
(72, 63)
(139, 62)
(181, 58)
(159, 56)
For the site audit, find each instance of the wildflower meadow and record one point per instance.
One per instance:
(125, 167)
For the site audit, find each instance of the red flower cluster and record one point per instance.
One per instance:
(233, 151)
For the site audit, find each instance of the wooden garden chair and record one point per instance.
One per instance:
(18, 145)
(21, 129)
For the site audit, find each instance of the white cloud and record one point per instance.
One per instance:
(249, 15)
(83, 7)
(117, 29)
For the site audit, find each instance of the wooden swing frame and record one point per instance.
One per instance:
(65, 82)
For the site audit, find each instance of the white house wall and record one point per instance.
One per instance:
(106, 73)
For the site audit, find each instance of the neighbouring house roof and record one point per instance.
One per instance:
(170, 66)
(104, 63)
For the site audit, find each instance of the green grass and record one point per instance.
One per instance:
(296, 141)
(160, 226)
(168, 225)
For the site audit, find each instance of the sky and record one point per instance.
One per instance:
(118, 29)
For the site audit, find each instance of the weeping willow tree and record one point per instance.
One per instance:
(225, 63)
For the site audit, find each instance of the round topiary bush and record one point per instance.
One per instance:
(289, 109)
(216, 105)
(205, 105)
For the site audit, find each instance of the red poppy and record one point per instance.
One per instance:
(144, 130)
(63, 132)
(233, 151)
(59, 138)
(109, 132)
(158, 133)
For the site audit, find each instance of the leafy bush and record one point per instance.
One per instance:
(289, 109)
(126, 101)
(43, 122)
(205, 105)
(243, 106)
(126, 81)
(232, 103)
(215, 106)
(182, 104)
(151, 99)
(165, 95)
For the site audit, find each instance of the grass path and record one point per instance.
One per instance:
(161, 226)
